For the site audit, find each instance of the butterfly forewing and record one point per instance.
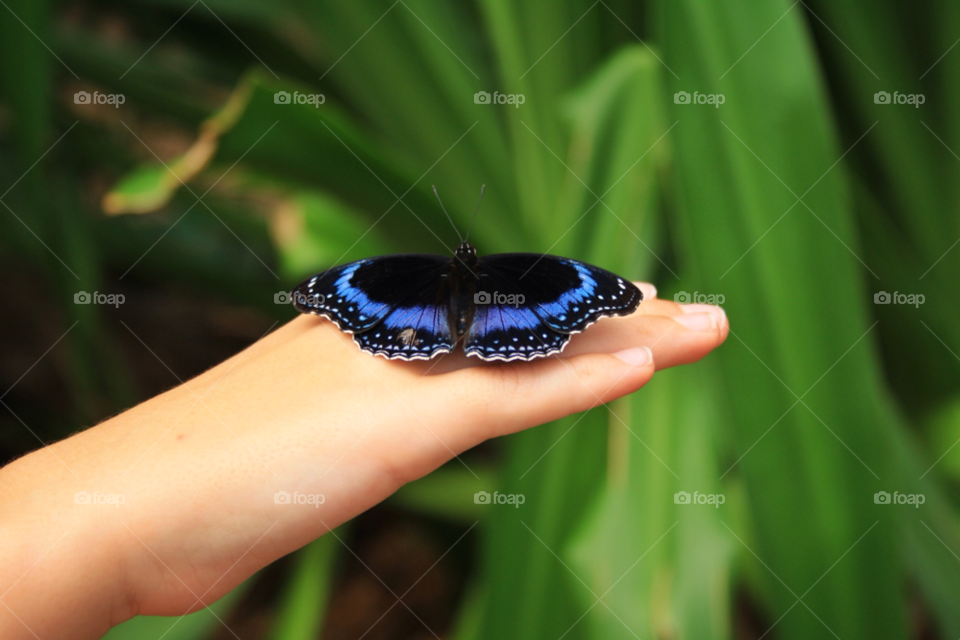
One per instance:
(566, 294)
(528, 304)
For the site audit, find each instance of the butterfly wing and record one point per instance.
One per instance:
(537, 301)
(395, 306)
(509, 332)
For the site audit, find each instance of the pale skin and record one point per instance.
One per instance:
(301, 410)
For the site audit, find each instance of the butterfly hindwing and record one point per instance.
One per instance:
(509, 332)
(396, 306)
(416, 332)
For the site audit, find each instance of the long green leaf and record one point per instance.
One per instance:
(803, 386)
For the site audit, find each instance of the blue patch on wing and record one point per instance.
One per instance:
(409, 333)
(599, 294)
(501, 332)
(333, 295)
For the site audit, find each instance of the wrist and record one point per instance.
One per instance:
(60, 555)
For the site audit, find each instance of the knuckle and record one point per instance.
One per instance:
(504, 380)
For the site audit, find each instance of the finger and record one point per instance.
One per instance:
(651, 305)
(506, 397)
(675, 340)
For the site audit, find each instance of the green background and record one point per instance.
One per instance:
(796, 203)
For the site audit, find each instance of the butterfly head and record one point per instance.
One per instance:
(466, 251)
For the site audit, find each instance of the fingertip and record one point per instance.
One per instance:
(647, 289)
(716, 312)
(700, 321)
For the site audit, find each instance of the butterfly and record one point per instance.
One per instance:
(508, 306)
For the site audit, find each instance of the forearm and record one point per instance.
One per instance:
(195, 463)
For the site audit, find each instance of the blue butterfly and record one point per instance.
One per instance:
(508, 306)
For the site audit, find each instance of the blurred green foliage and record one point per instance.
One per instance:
(797, 200)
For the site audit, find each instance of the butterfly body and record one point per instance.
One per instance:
(516, 306)
(463, 282)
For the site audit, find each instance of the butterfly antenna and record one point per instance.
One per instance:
(472, 220)
(445, 213)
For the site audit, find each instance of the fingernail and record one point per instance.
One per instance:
(722, 321)
(648, 290)
(697, 321)
(719, 315)
(635, 357)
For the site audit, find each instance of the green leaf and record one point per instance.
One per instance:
(314, 231)
(656, 568)
(447, 493)
(803, 386)
(306, 597)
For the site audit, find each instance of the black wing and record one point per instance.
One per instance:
(529, 304)
(396, 306)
